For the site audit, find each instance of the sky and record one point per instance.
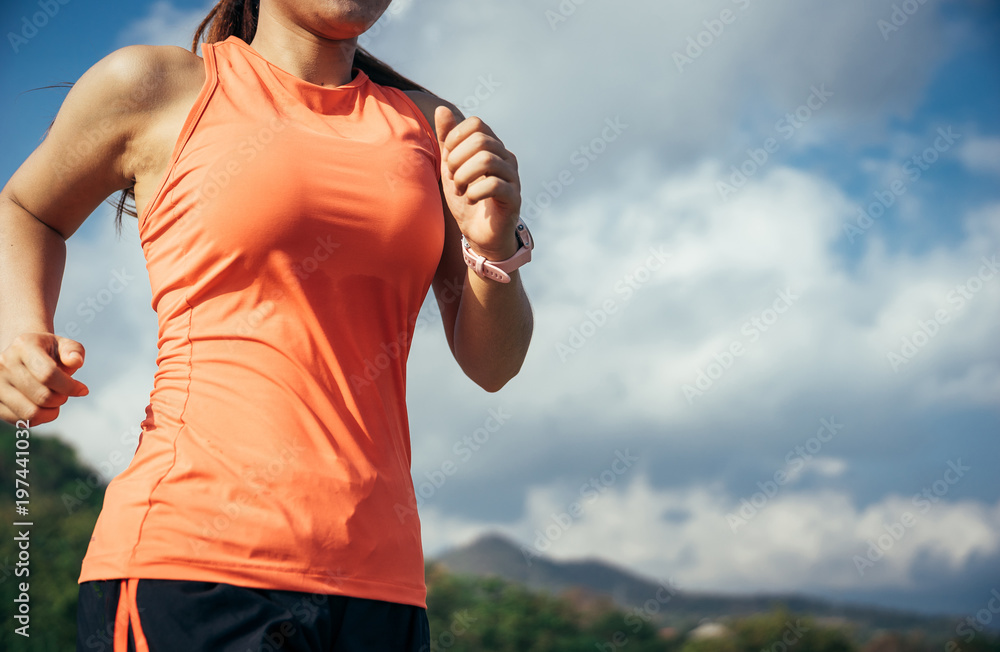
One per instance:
(765, 285)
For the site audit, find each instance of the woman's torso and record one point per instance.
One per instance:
(291, 233)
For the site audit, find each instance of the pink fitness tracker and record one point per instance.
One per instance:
(500, 271)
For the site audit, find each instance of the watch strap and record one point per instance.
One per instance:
(500, 271)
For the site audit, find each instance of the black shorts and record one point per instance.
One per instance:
(141, 615)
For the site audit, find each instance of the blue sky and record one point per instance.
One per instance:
(613, 369)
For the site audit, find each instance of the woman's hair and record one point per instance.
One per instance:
(239, 18)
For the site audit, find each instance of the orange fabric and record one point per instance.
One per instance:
(289, 249)
(121, 619)
(133, 614)
(127, 616)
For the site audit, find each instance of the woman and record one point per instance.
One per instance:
(296, 199)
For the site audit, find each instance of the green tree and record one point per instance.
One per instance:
(473, 614)
(776, 631)
(65, 497)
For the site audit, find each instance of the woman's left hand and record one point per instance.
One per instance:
(480, 183)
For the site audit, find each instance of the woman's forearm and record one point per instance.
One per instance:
(492, 330)
(32, 261)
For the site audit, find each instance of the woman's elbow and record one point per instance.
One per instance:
(494, 380)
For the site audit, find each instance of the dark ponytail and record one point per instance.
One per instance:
(239, 18)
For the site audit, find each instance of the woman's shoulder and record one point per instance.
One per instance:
(144, 78)
(428, 104)
(100, 133)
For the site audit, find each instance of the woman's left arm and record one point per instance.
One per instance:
(488, 324)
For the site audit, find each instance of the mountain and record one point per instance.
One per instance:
(497, 555)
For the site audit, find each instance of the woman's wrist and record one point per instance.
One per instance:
(497, 253)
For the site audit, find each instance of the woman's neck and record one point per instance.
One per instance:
(312, 58)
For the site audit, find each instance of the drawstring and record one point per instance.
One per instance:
(128, 610)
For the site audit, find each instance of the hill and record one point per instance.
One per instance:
(499, 556)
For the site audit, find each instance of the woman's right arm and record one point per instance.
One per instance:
(88, 155)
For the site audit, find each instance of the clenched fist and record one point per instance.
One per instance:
(481, 184)
(35, 377)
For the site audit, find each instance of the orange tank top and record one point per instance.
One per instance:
(289, 249)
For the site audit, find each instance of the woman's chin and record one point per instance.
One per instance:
(345, 19)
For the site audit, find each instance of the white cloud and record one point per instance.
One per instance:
(982, 155)
(560, 84)
(729, 264)
(794, 540)
(830, 467)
